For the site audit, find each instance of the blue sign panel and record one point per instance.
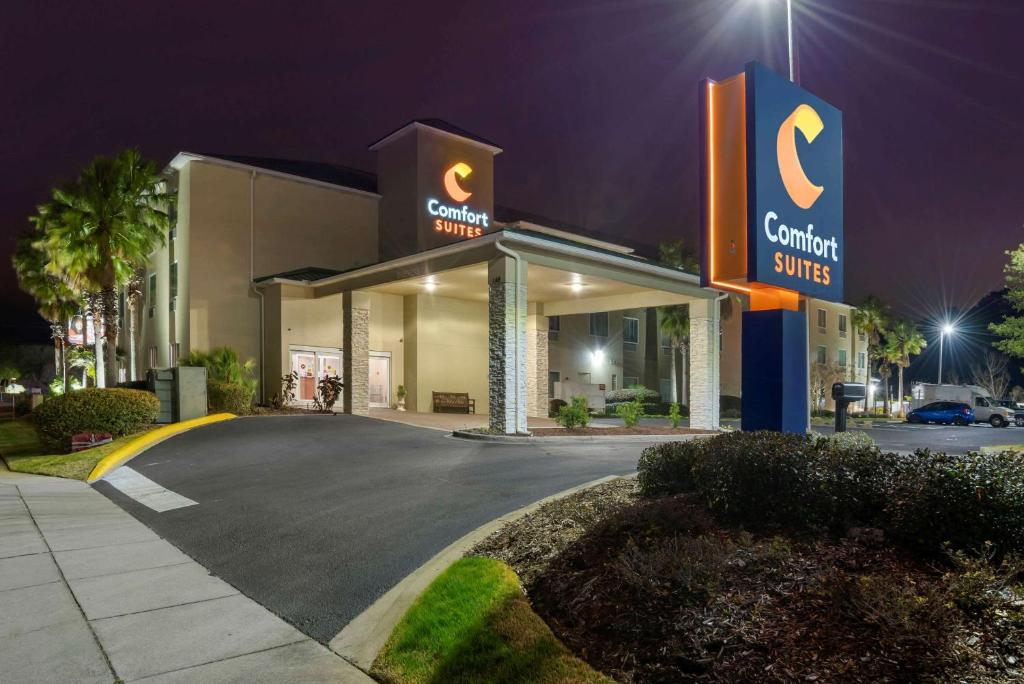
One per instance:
(794, 187)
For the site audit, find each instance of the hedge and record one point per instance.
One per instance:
(228, 396)
(113, 410)
(646, 396)
(924, 500)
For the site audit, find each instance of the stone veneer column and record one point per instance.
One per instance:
(506, 331)
(704, 364)
(536, 363)
(356, 352)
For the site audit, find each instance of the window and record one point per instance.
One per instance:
(553, 377)
(153, 360)
(630, 330)
(822, 355)
(861, 360)
(615, 384)
(842, 358)
(599, 324)
(665, 386)
(822, 319)
(554, 325)
(629, 381)
(152, 287)
(174, 353)
(842, 325)
(174, 280)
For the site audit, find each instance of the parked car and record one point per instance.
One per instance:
(944, 412)
(1017, 409)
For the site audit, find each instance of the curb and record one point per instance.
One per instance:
(362, 639)
(118, 457)
(575, 439)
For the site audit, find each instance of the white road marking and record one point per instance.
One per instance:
(147, 492)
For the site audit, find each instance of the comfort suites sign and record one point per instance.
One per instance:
(451, 215)
(773, 189)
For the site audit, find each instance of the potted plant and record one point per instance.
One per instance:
(400, 393)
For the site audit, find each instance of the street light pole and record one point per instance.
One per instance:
(789, 36)
(942, 338)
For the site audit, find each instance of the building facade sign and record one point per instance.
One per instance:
(457, 221)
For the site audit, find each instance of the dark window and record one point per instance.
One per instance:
(554, 323)
(599, 324)
(631, 330)
(174, 280)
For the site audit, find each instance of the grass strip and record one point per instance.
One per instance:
(473, 624)
(24, 453)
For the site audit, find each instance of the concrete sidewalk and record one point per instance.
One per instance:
(89, 594)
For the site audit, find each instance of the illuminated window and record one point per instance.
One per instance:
(822, 355)
(631, 330)
(599, 324)
(822, 320)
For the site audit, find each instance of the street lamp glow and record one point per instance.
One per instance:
(947, 329)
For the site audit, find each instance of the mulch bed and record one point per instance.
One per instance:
(604, 431)
(657, 591)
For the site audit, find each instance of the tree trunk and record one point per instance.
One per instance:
(900, 397)
(675, 392)
(867, 381)
(132, 362)
(97, 350)
(684, 353)
(885, 397)
(109, 296)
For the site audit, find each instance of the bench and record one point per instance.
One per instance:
(453, 402)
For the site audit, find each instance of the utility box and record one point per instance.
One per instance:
(181, 391)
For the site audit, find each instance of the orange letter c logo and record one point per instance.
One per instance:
(801, 190)
(451, 183)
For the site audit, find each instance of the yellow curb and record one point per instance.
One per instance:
(118, 457)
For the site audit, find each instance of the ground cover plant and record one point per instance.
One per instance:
(23, 452)
(762, 557)
(473, 624)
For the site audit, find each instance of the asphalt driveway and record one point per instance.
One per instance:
(315, 517)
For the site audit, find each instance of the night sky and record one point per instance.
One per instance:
(595, 104)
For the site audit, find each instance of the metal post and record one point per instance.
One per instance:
(942, 338)
(789, 34)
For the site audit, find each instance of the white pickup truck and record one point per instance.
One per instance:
(986, 409)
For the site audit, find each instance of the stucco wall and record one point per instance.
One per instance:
(446, 349)
(572, 353)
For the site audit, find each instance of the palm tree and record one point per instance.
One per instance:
(105, 225)
(55, 300)
(871, 319)
(675, 323)
(904, 341)
(885, 360)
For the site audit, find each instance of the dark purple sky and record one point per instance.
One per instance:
(595, 104)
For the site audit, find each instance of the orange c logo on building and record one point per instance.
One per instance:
(455, 172)
(801, 190)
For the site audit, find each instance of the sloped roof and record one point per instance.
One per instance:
(305, 273)
(320, 171)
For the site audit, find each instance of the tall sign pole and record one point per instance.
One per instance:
(772, 227)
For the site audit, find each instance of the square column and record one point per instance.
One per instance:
(355, 352)
(536, 363)
(507, 347)
(704, 364)
(775, 393)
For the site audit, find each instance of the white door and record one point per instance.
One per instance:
(380, 380)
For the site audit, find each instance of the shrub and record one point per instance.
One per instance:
(575, 414)
(229, 397)
(328, 391)
(674, 416)
(630, 412)
(554, 406)
(117, 411)
(727, 402)
(667, 468)
(646, 396)
(823, 413)
(731, 413)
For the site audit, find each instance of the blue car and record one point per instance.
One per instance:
(944, 412)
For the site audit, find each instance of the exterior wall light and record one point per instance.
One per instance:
(597, 357)
(430, 285)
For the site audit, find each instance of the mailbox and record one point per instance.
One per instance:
(849, 391)
(844, 393)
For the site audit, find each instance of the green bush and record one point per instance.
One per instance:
(823, 413)
(554, 406)
(667, 468)
(674, 415)
(646, 396)
(923, 500)
(228, 397)
(731, 413)
(630, 412)
(727, 402)
(117, 411)
(575, 415)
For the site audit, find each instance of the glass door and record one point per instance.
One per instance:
(380, 380)
(304, 365)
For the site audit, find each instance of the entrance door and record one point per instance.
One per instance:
(380, 380)
(304, 365)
